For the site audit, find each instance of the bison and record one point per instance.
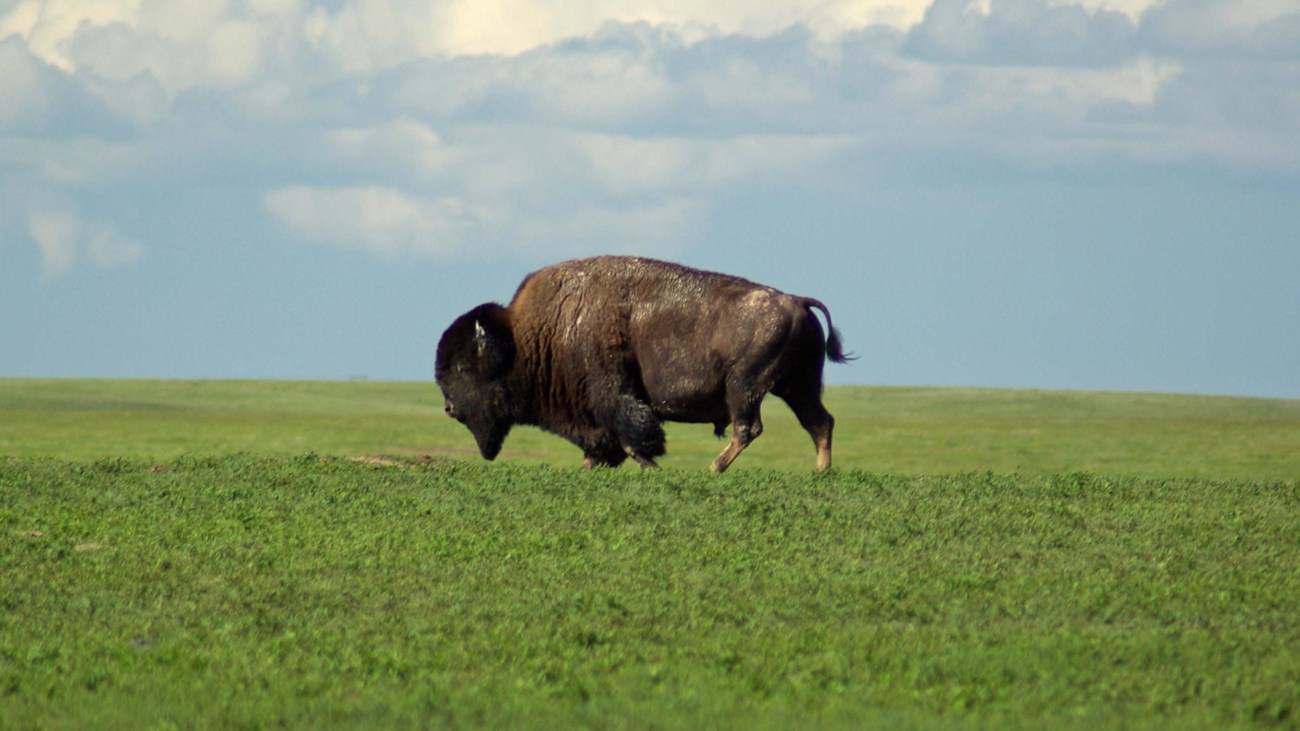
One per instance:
(601, 351)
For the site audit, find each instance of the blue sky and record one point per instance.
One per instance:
(1097, 194)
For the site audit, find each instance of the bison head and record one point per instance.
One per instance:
(474, 356)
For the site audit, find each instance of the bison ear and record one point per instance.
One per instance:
(494, 345)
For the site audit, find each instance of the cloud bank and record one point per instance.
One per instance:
(461, 129)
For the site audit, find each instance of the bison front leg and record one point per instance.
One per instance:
(624, 427)
(606, 454)
(591, 461)
(639, 431)
(645, 462)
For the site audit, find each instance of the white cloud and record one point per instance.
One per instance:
(746, 83)
(397, 225)
(372, 34)
(999, 91)
(191, 21)
(56, 234)
(604, 122)
(277, 7)
(1250, 27)
(120, 51)
(183, 45)
(48, 24)
(228, 53)
(834, 17)
(110, 249)
(1022, 32)
(652, 228)
(497, 189)
(405, 146)
(593, 87)
(621, 164)
(505, 26)
(369, 35)
(382, 220)
(235, 51)
(581, 84)
(63, 237)
(1131, 8)
(24, 94)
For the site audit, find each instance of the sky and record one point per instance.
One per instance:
(1059, 194)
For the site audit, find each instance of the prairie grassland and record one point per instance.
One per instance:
(214, 554)
(911, 431)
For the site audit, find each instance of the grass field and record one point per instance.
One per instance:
(192, 555)
(908, 431)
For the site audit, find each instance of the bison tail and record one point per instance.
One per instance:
(834, 349)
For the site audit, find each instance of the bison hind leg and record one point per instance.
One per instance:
(804, 399)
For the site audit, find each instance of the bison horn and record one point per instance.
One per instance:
(480, 338)
(491, 346)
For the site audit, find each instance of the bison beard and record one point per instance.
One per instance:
(602, 351)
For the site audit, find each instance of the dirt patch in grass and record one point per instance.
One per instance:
(391, 460)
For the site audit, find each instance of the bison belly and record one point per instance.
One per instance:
(690, 376)
(693, 407)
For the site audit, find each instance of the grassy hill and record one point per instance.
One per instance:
(885, 430)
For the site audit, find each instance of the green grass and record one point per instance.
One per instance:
(171, 556)
(888, 430)
(251, 592)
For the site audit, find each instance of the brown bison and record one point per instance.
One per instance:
(601, 351)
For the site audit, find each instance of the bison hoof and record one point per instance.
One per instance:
(645, 462)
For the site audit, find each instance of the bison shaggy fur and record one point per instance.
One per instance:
(602, 351)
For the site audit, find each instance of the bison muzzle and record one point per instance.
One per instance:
(602, 351)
